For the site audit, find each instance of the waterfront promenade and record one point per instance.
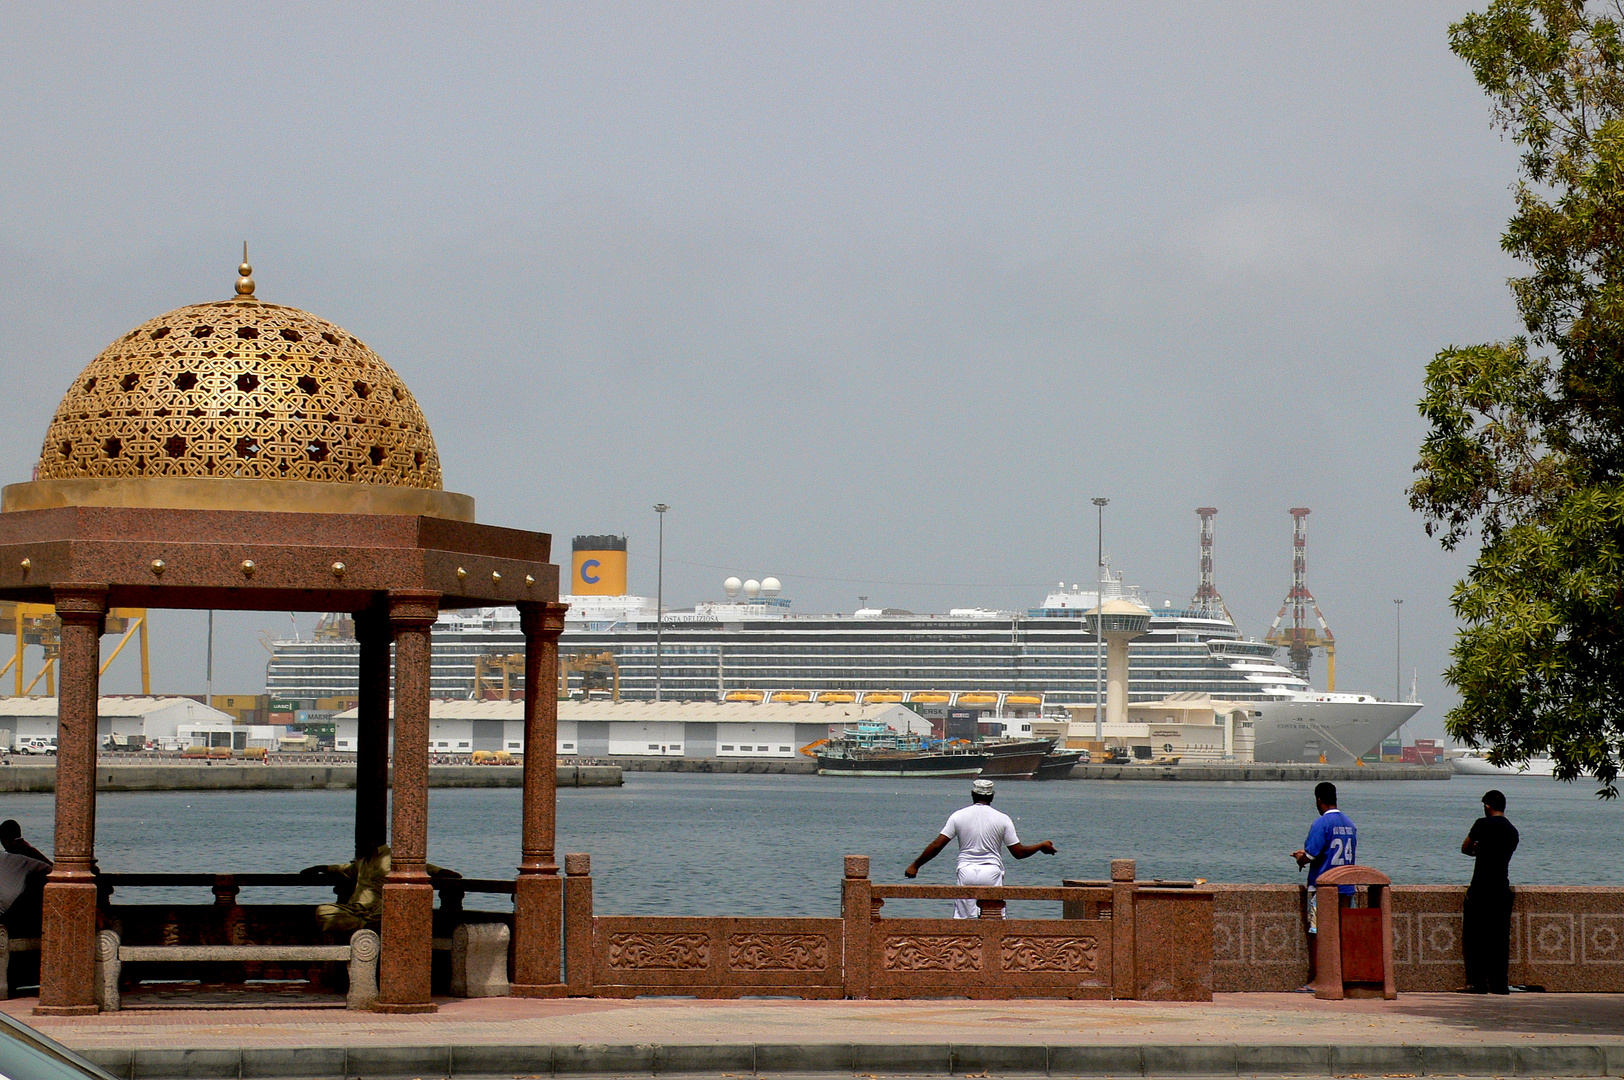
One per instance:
(1235, 1034)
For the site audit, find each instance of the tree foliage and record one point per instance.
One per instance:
(1526, 447)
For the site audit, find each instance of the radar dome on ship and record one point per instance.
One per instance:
(770, 586)
(732, 586)
(752, 588)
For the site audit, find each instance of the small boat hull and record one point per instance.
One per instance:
(1013, 766)
(1058, 766)
(903, 765)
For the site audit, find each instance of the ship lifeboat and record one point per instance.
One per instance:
(791, 697)
(978, 699)
(1024, 699)
(882, 697)
(753, 696)
(837, 697)
(930, 697)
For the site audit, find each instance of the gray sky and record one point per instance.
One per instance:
(875, 296)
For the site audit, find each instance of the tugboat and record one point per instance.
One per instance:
(873, 749)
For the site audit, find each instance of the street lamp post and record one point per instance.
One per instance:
(1099, 618)
(1398, 650)
(659, 609)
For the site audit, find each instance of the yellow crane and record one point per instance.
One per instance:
(37, 624)
(509, 664)
(599, 671)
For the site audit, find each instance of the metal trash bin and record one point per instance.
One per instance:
(1354, 947)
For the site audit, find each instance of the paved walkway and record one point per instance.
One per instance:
(1543, 1034)
(1429, 1019)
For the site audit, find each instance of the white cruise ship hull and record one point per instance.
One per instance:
(1470, 764)
(1338, 727)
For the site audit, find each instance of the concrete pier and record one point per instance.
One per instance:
(1294, 772)
(255, 776)
(1263, 770)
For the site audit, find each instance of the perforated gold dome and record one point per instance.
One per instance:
(240, 389)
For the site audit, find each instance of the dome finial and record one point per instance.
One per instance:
(245, 281)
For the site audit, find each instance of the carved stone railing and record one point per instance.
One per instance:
(1563, 938)
(1114, 939)
(717, 957)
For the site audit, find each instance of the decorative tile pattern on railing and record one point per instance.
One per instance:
(934, 952)
(1603, 937)
(1564, 938)
(777, 952)
(990, 958)
(717, 957)
(669, 952)
(1049, 952)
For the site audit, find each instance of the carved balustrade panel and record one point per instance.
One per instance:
(991, 958)
(717, 957)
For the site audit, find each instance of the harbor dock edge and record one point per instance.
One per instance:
(255, 776)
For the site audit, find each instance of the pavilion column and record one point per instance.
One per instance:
(538, 894)
(408, 898)
(372, 631)
(68, 948)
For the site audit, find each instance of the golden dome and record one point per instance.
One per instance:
(237, 390)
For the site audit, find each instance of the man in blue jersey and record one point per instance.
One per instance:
(1332, 842)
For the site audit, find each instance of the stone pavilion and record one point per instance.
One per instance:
(239, 454)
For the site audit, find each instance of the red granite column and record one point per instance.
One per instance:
(538, 894)
(372, 631)
(68, 948)
(408, 898)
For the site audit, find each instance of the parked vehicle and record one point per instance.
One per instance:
(25, 1054)
(36, 744)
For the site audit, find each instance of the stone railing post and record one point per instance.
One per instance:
(578, 937)
(1122, 968)
(858, 912)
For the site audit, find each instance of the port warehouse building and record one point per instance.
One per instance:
(166, 721)
(693, 729)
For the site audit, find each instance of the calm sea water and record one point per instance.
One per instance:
(772, 845)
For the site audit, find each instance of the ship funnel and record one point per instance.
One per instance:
(598, 566)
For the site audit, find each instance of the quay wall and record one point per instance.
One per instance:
(800, 765)
(255, 776)
(1263, 770)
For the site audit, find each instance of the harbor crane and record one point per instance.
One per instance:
(1300, 639)
(37, 624)
(1206, 602)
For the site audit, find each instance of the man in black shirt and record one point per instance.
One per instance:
(1486, 921)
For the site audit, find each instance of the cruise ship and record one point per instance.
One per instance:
(753, 647)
